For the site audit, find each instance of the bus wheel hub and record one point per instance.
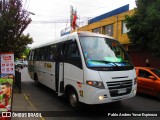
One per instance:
(73, 100)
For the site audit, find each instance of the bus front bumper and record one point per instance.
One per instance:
(101, 96)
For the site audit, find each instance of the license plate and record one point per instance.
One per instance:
(122, 91)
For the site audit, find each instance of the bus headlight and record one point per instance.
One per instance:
(101, 98)
(97, 84)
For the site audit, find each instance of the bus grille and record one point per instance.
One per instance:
(119, 88)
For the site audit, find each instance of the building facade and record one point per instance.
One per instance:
(112, 24)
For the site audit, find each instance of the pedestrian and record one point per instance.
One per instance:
(147, 63)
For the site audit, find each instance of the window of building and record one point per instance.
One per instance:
(97, 30)
(108, 30)
(124, 28)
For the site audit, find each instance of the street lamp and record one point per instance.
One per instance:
(31, 13)
(28, 12)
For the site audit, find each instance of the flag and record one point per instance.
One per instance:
(73, 18)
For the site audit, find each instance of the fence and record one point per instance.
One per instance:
(18, 80)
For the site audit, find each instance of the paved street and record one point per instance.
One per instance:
(44, 99)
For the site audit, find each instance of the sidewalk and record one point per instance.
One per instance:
(21, 103)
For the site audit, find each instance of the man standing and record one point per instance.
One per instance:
(147, 63)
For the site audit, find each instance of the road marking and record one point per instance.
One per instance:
(30, 103)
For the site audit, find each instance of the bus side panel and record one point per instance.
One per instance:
(90, 92)
(73, 76)
(45, 72)
(39, 70)
(49, 77)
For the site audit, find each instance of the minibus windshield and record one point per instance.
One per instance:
(104, 52)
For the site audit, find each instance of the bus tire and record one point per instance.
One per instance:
(36, 80)
(73, 100)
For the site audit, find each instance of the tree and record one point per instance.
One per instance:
(144, 25)
(13, 21)
(26, 52)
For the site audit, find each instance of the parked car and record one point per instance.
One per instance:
(25, 63)
(18, 64)
(148, 81)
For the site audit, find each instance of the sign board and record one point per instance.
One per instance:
(7, 73)
(7, 64)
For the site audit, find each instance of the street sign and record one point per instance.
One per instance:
(7, 68)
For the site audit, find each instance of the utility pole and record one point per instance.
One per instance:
(3, 4)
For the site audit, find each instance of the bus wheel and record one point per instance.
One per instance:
(73, 100)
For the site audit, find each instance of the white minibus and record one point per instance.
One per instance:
(85, 67)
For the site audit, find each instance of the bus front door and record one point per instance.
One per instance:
(59, 72)
(59, 79)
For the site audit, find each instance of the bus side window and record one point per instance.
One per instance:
(52, 55)
(36, 54)
(40, 54)
(30, 55)
(72, 54)
(43, 53)
(48, 52)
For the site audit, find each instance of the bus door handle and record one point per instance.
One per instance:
(51, 74)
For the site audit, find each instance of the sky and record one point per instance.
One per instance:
(51, 16)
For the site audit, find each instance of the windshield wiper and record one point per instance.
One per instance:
(127, 62)
(103, 61)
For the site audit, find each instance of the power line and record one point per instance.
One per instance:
(87, 4)
(60, 20)
(48, 22)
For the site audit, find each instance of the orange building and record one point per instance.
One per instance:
(111, 23)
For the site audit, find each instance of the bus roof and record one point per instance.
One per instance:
(69, 36)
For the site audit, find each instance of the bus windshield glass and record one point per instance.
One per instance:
(104, 52)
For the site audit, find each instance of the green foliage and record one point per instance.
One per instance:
(2, 80)
(26, 52)
(144, 25)
(13, 21)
